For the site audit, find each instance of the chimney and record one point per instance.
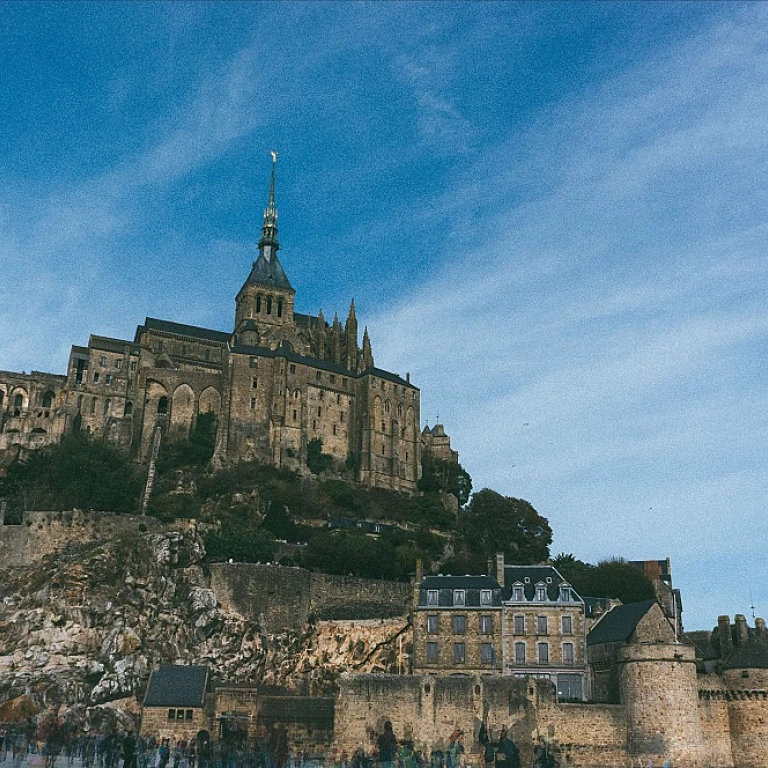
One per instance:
(408, 377)
(724, 636)
(760, 626)
(499, 575)
(741, 629)
(417, 583)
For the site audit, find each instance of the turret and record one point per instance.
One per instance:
(320, 335)
(336, 339)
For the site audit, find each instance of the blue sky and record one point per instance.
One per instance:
(552, 215)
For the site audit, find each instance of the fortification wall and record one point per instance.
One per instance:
(44, 533)
(715, 721)
(430, 708)
(346, 597)
(286, 598)
(747, 694)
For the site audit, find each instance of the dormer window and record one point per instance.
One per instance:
(431, 597)
(459, 597)
(541, 593)
(518, 592)
(485, 597)
(566, 595)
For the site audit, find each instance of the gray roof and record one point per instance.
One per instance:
(619, 624)
(752, 655)
(531, 575)
(269, 272)
(193, 331)
(445, 586)
(177, 686)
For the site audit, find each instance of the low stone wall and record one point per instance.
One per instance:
(347, 597)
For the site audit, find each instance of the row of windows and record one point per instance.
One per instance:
(459, 624)
(268, 305)
(542, 625)
(46, 400)
(565, 593)
(542, 653)
(487, 653)
(104, 362)
(180, 714)
(460, 597)
(383, 387)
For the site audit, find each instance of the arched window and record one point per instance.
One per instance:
(386, 406)
(47, 399)
(296, 394)
(93, 405)
(399, 409)
(162, 405)
(107, 403)
(258, 305)
(79, 402)
(18, 401)
(279, 307)
(269, 305)
(128, 410)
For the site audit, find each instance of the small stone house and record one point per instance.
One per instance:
(175, 703)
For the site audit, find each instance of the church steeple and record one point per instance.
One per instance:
(268, 244)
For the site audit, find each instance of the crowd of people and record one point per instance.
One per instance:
(54, 743)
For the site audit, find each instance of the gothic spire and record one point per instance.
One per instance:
(367, 351)
(269, 228)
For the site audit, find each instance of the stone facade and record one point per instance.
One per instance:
(173, 723)
(278, 381)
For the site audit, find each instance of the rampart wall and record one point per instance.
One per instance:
(286, 598)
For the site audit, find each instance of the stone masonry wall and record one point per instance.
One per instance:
(429, 708)
(286, 598)
(715, 721)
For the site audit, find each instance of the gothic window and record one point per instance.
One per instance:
(93, 405)
(519, 653)
(459, 653)
(47, 399)
(296, 394)
(567, 625)
(543, 653)
(162, 405)
(128, 410)
(567, 653)
(279, 307)
(269, 305)
(258, 305)
(459, 625)
(386, 406)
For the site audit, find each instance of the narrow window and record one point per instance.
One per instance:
(432, 652)
(269, 305)
(485, 597)
(107, 403)
(541, 625)
(253, 361)
(134, 365)
(321, 395)
(258, 305)
(543, 653)
(431, 597)
(406, 456)
(459, 625)
(314, 425)
(384, 427)
(292, 368)
(518, 593)
(519, 624)
(486, 625)
(294, 414)
(171, 714)
(567, 653)
(279, 307)
(2, 396)
(386, 406)
(567, 625)
(108, 379)
(79, 402)
(332, 378)
(47, 399)
(459, 653)
(128, 410)
(93, 405)
(95, 378)
(254, 383)
(459, 596)
(188, 715)
(541, 593)
(102, 361)
(486, 653)
(433, 624)
(344, 383)
(207, 354)
(253, 403)
(318, 376)
(341, 417)
(519, 653)
(162, 405)
(119, 363)
(338, 399)
(319, 411)
(334, 429)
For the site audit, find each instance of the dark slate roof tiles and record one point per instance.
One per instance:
(177, 686)
(193, 331)
(619, 624)
(269, 272)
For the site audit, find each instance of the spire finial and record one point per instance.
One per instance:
(269, 228)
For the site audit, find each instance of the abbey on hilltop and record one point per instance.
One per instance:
(279, 380)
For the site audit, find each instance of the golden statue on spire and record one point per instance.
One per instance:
(274, 155)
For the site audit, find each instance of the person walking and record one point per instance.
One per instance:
(386, 747)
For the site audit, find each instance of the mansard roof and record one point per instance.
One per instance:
(179, 329)
(618, 625)
(445, 586)
(528, 576)
(177, 686)
(269, 273)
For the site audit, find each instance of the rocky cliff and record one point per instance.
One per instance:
(84, 627)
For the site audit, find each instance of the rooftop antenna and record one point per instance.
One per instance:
(752, 601)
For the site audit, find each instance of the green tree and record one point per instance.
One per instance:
(79, 472)
(614, 578)
(195, 451)
(446, 476)
(241, 542)
(493, 523)
(317, 461)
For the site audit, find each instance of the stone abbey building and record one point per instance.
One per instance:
(279, 380)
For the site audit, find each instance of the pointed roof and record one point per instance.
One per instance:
(619, 624)
(267, 269)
